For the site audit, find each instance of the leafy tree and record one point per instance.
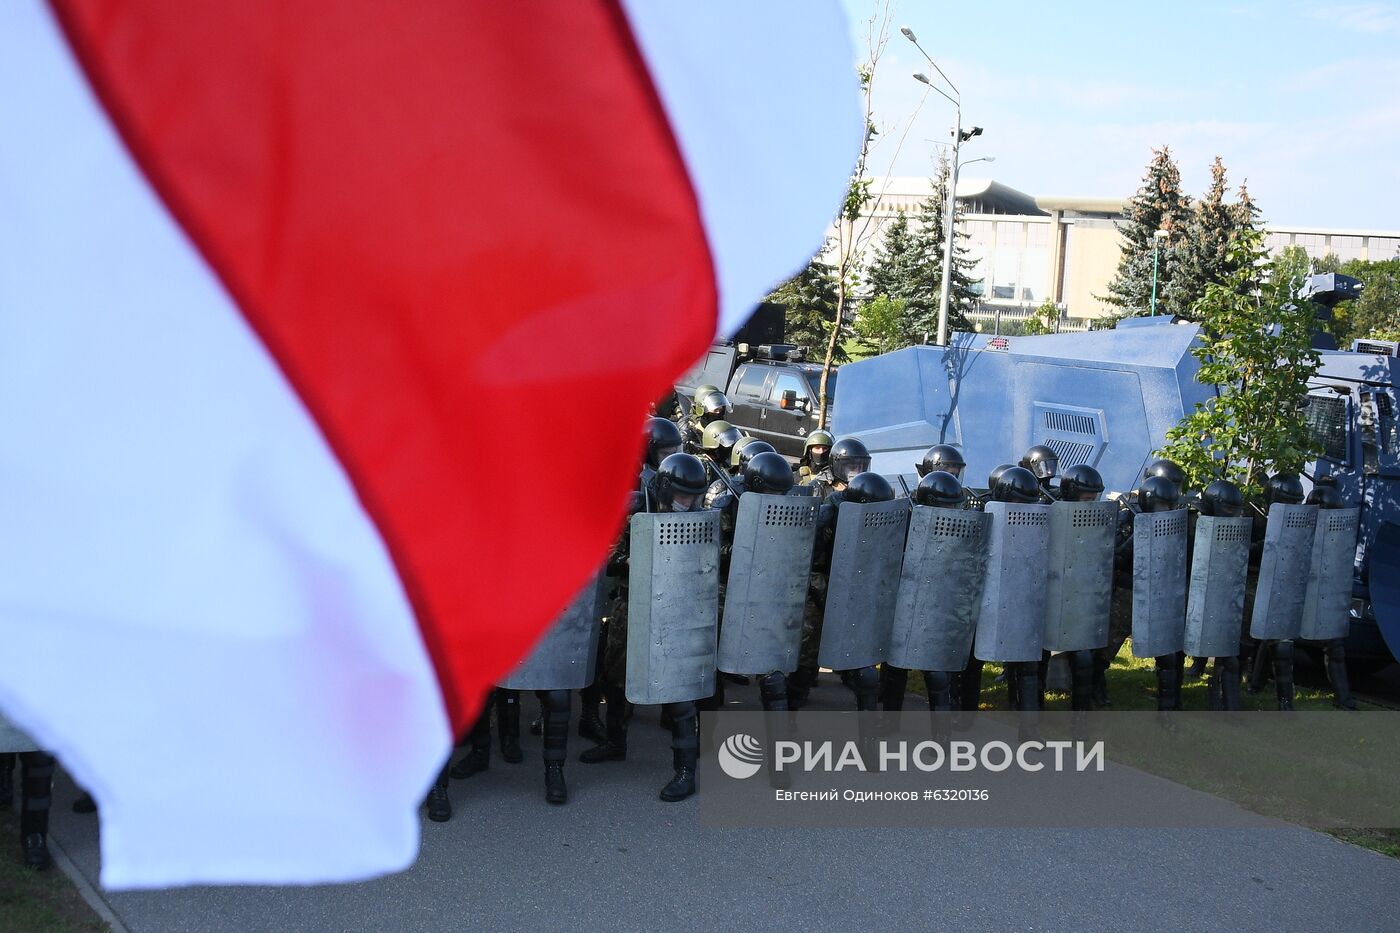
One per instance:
(1043, 319)
(1158, 205)
(1256, 348)
(810, 300)
(880, 324)
(1376, 314)
(930, 241)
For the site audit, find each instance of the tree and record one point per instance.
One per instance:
(1043, 320)
(1255, 346)
(810, 300)
(880, 324)
(1204, 253)
(930, 242)
(1376, 314)
(1158, 205)
(901, 272)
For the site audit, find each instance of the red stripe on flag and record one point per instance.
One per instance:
(465, 232)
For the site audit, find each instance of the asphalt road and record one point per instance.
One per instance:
(617, 858)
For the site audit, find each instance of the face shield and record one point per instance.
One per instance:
(1045, 469)
(851, 466)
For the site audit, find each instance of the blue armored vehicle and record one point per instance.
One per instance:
(1107, 398)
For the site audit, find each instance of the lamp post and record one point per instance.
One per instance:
(1157, 237)
(959, 137)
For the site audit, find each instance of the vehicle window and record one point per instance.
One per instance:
(1327, 425)
(787, 382)
(751, 383)
(1389, 430)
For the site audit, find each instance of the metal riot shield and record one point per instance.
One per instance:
(863, 583)
(1327, 603)
(567, 656)
(1215, 603)
(1079, 581)
(1159, 583)
(767, 584)
(940, 589)
(1283, 572)
(1011, 621)
(672, 606)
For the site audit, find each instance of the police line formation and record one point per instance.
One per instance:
(733, 566)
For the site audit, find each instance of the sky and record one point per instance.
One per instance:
(1299, 98)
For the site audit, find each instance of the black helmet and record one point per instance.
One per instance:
(1168, 470)
(663, 439)
(768, 472)
(1043, 462)
(994, 476)
(1325, 493)
(718, 440)
(849, 457)
(746, 449)
(943, 457)
(1222, 498)
(940, 490)
(713, 407)
(697, 402)
(680, 474)
(869, 487)
(818, 439)
(1158, 494)
(1284, 488)
(1081, 483)
(1016, 484)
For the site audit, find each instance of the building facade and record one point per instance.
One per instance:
(1030, 249)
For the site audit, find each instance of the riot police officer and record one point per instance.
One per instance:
(708, 406)
(744, 451)
(816, 454)
(680, 486)
(663, 438)
(717, 443)
(848, 458)
(1159, 494)
(35, 799)
(943, 458)
(1044, 465)
(1282, 489)
(940, 490)
(1018, 485)
(1223, 499)
(1326, 496)
(1080, 483)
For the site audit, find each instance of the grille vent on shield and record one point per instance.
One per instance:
(1026, 518)
(1341, 523)
(1228, 533)
(1091, 519)
(956, 526)
(1300, 520)
(880, 519)
(1173, 525)
(789, 516)
(696, 532)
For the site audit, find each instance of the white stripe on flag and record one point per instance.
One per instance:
(764, 101)
(242, 682)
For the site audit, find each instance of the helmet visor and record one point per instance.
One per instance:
(1045, 469)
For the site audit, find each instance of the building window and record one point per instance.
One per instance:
(1345, 247)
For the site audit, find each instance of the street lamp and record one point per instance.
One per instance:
(1157, 238)
(959, 137)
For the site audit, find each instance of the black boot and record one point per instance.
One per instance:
(1215, 687)
(1259, 667)
(36, 788)
(1101, 664)
(685, 751)
(894, 681)
(478, 756)
(1230, 700)
(1168, 683)
(773, 695)
(1042, 671)
(970, 686)
(800, 686)
(1283, 675)
(590, 724)
(7, 780)
(1335, 655)
(615, 746)
(773, 691)
(556, 743)
(939, 686)
(1023, 682)
(439, 804)
(508, 723)
(865, 684)
(1081, 680)
(1197, 670)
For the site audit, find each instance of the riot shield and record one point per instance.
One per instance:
(567, 656)
(672, 606)
(1159, 583)
(767, 584)
(1079, 580)
(1011, 620)
(940, 589)
(1283, 572)
(1327, 603)
(863, 583)
(1215, 603)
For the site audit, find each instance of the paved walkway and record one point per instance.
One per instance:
(617, 858)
